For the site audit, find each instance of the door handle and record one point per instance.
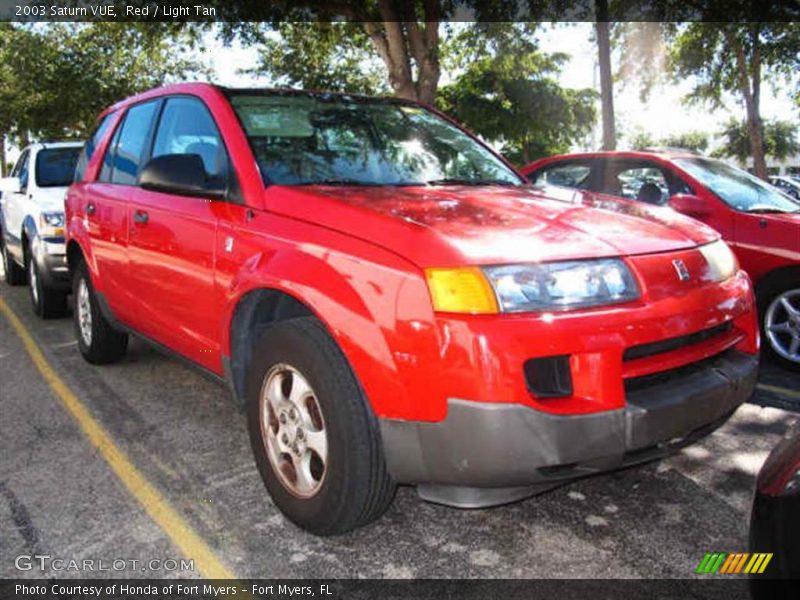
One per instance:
(140, 217)
(90, 209)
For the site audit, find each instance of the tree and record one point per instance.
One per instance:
(508, 93)
(55, 80)
(320, 56)
(603, 31)
(779, 140)
(696, 141)
(737, 58)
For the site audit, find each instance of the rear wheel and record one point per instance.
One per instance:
(98, 342)
(314, 437)
(14, 274)
(46, 302)
(780, 324)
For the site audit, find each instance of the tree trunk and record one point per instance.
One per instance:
(2, 154)
(606, 81)
(750, 88)
(398, 38)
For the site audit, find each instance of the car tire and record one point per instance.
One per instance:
(780, 326)
(14, 274)
(297, 366)
(47, 303)
(98, 341)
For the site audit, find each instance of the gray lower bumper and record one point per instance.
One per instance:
(509, 448)
(51, 257)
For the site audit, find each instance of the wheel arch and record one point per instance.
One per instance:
(776, 278)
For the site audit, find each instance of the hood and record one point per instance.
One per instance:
(478, 225)
(51, 198)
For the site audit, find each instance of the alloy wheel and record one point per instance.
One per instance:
(782, 325)
(84, 307)
(33, 279)
(293, 430)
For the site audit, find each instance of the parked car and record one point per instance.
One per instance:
(393, 304)
(32, 223)
(788, 185)
(761, 224)
(775, 518)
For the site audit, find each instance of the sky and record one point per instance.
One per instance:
(663, 114)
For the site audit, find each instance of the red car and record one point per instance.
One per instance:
(393, 303)
(760, 223)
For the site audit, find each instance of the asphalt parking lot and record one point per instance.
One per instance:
(183, 434)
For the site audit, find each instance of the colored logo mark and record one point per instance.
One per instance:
(731, 564)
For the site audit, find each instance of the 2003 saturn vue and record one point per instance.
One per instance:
(394, 304)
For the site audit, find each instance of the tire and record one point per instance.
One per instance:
(98, 342)
(351, 486)
(46, 302)
(780, 327)
(14, 274)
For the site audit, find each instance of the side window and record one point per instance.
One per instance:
(131, 144)
(91, 145)
(645, 184)
(187, 127)
(570, 175)
(108, 159)
(21, 169)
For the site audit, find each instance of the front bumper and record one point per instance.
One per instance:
(486, 453)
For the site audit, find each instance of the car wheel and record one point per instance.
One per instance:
(315, 439)
(780, 325)
(46, 302)
(98, 342)
(14, 274)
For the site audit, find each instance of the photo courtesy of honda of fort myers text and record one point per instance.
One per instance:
(400, 299)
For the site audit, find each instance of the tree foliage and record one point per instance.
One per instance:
(509, 94)
(780, 140)
(696, 141)
(54, 80)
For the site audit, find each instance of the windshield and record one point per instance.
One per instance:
(302, 140)
(55, 167)
(737, 188)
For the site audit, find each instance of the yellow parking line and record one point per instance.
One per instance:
(159, 509)
(776, 389)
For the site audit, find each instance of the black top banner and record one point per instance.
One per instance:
(33, 11)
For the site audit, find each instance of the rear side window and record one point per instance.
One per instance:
(55, 167)
(187, 127)
(131, 144)
(568, 175)
(91, 145)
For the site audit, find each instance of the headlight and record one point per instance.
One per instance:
(562, 285)
(52, 219)
(721, 261)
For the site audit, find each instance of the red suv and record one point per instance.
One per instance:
(394, 304)
(761, 224)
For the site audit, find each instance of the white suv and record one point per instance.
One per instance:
(32, 223)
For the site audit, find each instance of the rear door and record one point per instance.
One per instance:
(106, 206)
(173, 241)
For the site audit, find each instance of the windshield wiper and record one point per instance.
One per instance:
(768, 209)
(337, 182)
(454, 181)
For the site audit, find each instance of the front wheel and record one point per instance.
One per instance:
(98, 342)
(314, 437)
(780, 325)
(46, 302)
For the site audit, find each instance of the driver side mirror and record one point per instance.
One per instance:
(690, 205)
(180, 174)
(10, 185)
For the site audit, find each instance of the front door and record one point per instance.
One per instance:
(172, 247)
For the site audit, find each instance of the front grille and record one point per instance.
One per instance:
(668, 345)
(637, 384)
